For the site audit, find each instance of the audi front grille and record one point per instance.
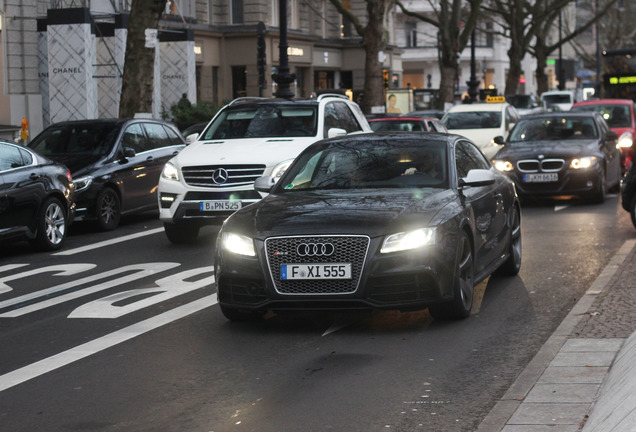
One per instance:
(316, 250)
(222, 176)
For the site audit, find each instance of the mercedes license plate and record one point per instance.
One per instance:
(315, 271)
(219, 205)
(541, 178)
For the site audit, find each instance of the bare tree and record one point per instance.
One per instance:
(455, 21)
(137, 81)
(374, 40)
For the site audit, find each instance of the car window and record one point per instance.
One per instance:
(173, 136)
(438, 126)
(157, 136)
(567, 129)
(12, 157)
(473, 120)
(346, 117)
(397, 125)
(88, 139)
(134, 138)
(377, 164)
(264, 120)
(468, 157)
(616, 116)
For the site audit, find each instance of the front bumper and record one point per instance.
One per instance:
(570, 182)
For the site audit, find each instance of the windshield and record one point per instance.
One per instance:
(520, 101)
(554, 129)
(386, 163)
(557, 99)
(90, 139)
(397, 125)
(617, 116)
(473, 120)
(264, 120)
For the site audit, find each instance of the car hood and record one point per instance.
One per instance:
(531, 149)
(78, 164)
(244, 151)
(365, 211)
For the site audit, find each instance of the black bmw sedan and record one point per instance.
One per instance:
(389, 221)
(561, 153)
(36, 198)
(115, 163)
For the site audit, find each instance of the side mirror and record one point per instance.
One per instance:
(334, 132)
(264, 184)
(477, 177)
(499, 140)
(128, 153)
(612, 135)
(192, 138)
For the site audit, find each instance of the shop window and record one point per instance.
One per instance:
(236, 12)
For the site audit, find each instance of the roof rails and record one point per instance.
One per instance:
(324, 95)
(247, 99)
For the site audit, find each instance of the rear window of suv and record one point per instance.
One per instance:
(263, 121)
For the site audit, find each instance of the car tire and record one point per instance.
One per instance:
(181, 233)
(52, 225)
(598, 195)
(108, 209)
(463, 286)
(238, 315)
(632, 211)
(512, 264)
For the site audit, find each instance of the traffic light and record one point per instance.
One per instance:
(261, 54)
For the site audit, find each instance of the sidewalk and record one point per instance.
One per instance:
(584, 376)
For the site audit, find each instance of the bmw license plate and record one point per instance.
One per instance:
(219, 205)
(315, 271)
(541, 178)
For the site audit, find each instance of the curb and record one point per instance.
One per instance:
(506, 407)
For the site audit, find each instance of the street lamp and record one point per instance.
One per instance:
(283, 78)
(473, 83)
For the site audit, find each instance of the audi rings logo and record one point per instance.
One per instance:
(315, 249)
(220, 176)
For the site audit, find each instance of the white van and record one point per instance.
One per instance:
(557, 100)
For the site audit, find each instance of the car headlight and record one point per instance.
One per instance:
(238, 244)
(281, 168)
(82, 183)
(583, 163)
(625, 141)
(170, 172)
(503, 165)
(408, 240)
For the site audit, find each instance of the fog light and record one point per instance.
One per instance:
(167, 199)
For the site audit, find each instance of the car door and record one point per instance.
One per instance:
(22, 188)
(611, 152)
(161, 147)
(487, 203)
(131, 171)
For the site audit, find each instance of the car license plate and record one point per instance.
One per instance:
(315, 271)
(541, 178)
(219, 205)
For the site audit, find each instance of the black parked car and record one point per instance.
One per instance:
(561, 153)
(36, 197)
(389, 220)
(115, 163)
(628, 193)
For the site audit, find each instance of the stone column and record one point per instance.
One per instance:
(177, 67)
(111, 51)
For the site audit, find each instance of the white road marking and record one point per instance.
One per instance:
(57, 270)
(57, 361)
(559, 208)
(109, 242)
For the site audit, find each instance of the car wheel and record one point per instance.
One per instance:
(181, 233)
(632, 211)
(598, 195)
(463, 286)
(239, 315)
(51, 226)
(512, 264)
(108, 210)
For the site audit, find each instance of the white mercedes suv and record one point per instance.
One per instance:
(250, 137)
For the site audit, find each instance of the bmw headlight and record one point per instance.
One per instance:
(170, 172)
(625, 141)
(279, 169)
(408, 240)
(238, 244)
(583, 163)
(82, 183)
(503, 165)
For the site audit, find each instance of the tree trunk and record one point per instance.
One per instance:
(374, 42)
(515, 56)
(137, 81)
(541, 55)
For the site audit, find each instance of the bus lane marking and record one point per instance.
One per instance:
(67, 357)
(104, 243)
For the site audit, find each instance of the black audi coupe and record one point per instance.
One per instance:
(389, 221)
